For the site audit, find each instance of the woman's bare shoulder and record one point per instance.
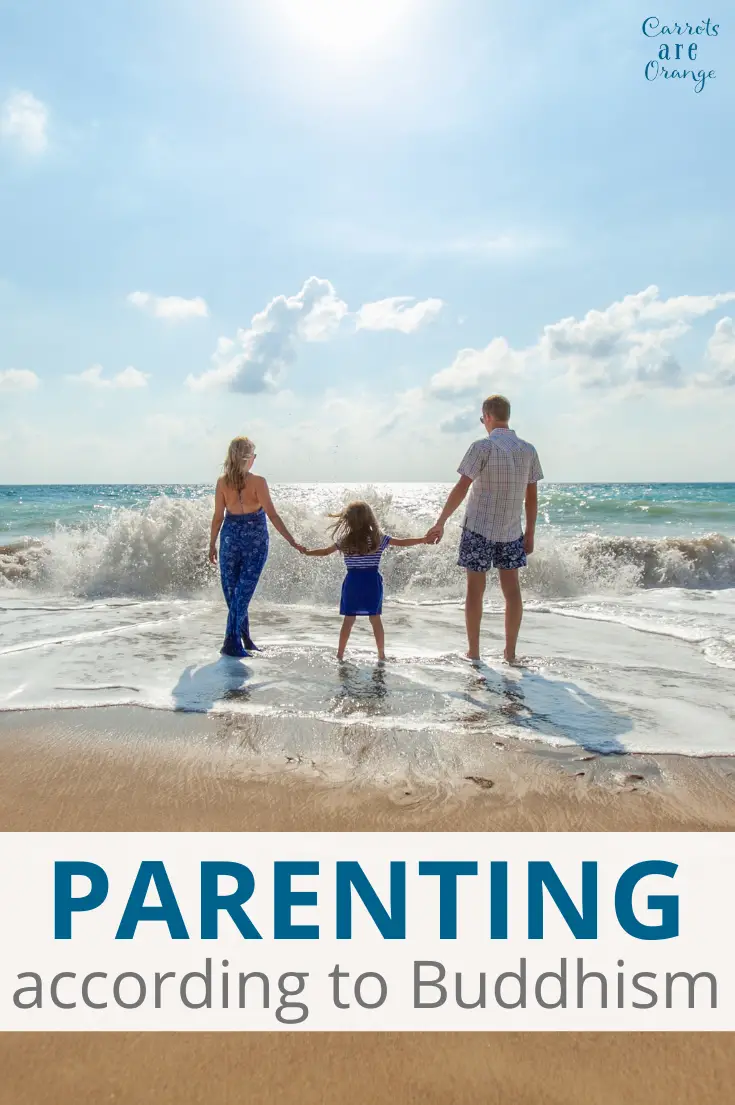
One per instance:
(259, 481)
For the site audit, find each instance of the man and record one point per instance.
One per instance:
(502, 471)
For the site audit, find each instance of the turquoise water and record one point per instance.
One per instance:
(681, 509)
(32, 510)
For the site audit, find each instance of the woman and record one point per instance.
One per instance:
(242, 502)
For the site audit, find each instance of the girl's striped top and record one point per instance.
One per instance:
(368, 560)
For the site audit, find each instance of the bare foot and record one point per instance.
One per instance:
(510, 658)
(381, 657)
(472, 659)
(340, 656)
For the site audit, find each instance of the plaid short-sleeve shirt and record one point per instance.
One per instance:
(501, 466)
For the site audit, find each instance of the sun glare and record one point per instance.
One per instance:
(343, 26)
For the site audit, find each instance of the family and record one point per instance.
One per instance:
(500, 472)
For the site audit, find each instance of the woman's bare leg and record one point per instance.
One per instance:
(377, 624)
(344, 636)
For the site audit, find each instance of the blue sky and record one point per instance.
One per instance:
(337, 226)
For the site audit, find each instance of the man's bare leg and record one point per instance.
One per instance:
(473, 612)
(511, 588)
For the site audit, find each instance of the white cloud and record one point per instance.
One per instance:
(628, 345)
(629, 341)
(474, 370)
(18, 379)
(257, 358)
(130, 379)
(323, 319)
(173, 308)
(720, 358)
(407, 406)
(395, 314)
(24, 120)
(461, 422)
(388, 425)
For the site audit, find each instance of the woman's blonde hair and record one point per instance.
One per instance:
(356, 531)
(236, 467)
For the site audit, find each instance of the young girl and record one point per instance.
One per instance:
(357, 536)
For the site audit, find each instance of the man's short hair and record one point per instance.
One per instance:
(497, 406)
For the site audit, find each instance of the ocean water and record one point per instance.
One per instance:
(628, 641)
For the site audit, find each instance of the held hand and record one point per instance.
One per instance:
(302, 549)
(528, 543)
(434, 535)
(212, 554)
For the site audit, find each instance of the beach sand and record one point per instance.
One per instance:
(126, 769)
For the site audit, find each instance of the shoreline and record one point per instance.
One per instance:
(538, 747)
(123, 768)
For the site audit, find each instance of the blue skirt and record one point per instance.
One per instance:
(362, 593)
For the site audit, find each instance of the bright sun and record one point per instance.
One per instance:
(342, 26)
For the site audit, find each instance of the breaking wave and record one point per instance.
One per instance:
(160, 550)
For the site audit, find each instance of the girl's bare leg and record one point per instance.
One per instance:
(377, 625)
(344, 636)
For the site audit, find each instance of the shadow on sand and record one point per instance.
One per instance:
(548, 709)
(200, 687)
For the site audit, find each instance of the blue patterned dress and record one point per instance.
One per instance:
(243, 551)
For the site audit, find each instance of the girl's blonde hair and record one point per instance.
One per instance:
(236, 467)
(356, 531)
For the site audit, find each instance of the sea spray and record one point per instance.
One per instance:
(160, 549)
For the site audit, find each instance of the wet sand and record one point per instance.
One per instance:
(125, 769)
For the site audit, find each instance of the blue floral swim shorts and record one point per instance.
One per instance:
(477, 554)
